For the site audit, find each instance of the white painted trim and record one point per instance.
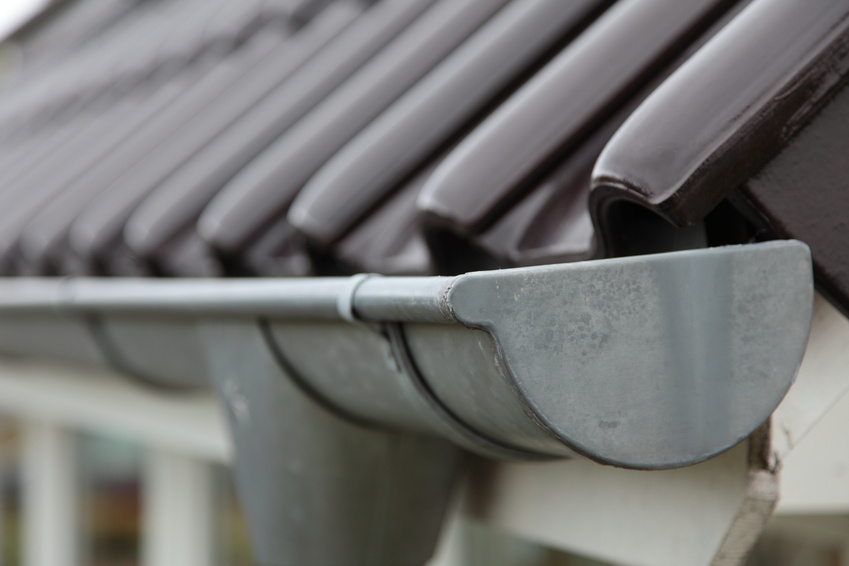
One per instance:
(94, 400)
(51, 511)
(661, 518)
(822, 381)
(178, 514)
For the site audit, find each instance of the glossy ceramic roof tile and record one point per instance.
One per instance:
(534, 211)
(391, 239)
(27, 195)
(733, 106)
(551, 223)
(172, 209)
(430, 114)
(128, 128)
(265, 189)
(567, 100)
(94, 69)
(142, 166)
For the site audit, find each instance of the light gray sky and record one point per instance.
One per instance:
(13, 13)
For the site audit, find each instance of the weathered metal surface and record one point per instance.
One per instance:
(683, 378)
(162, 350)
(316, 488)
(647, 362)
(580, 507)
(393, 394)
(46, 334)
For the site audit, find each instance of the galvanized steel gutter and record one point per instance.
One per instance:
(599, 356)
(644, 362)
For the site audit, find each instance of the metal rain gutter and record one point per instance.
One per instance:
(347, 389)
